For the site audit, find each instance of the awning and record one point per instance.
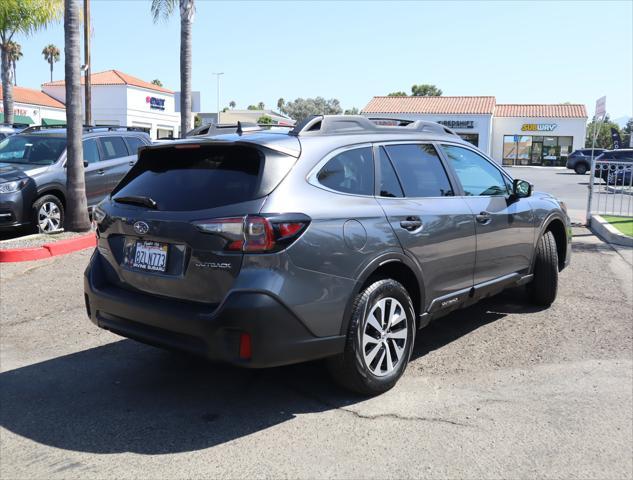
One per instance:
(50, 122)
(19, 119)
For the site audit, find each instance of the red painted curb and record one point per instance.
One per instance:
(47, 250)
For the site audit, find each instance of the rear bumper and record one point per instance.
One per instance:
(278, 337)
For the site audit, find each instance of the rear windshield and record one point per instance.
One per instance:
(31, 149)
(208, 176)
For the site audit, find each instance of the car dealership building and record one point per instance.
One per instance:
(511, 134)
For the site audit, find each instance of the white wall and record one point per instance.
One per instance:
(140, 113)
(482, 124)
(565, 127)
(37, 112)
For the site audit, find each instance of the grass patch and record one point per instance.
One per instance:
(623, 224)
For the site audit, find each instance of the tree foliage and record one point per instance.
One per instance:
(425, 90)
(422, 90)
(302, 108)
(253, 107)
(23, 17)
(157, 82)
(265, 119)
(232, 104)
(351, 111)
(280, 104)
(603, 140)
(15, 54)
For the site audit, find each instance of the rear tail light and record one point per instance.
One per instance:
(253, 233)
(246, 347)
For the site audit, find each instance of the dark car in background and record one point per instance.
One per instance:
(33, 172)
(338, 239)
(580, 160)
(615, 167)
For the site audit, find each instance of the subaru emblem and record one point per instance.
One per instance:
(141, 228)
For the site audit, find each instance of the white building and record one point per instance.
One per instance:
(121, 99)
(510, 134)
(32, 107)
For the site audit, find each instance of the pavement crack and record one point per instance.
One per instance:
(377, 416)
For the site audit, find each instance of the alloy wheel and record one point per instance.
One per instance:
(49, 217)
(385, 336)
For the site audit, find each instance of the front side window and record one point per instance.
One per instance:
(420, 170)
(31, 149)
(351, 171)
(113, 147)
(476, 174)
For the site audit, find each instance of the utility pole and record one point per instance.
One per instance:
(217, 74)
(87, 79)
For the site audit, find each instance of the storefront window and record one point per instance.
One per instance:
(524, 146)
(472, 138)
(509, 149)
(536, 150)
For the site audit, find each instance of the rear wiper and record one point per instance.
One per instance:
(137, 200)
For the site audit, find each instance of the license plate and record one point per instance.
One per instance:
(150, 256)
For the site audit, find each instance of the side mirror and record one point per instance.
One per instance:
(521, 188)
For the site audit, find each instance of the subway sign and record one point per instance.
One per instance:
(155, 103)
(538, 127)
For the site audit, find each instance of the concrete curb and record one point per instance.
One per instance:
(604, 229)
(48, 250)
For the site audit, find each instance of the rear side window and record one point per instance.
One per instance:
(420, 170)
(389, 184)
(113, 147)
(351, 171)
(623, 155)
(91, 151)
(134, 143)
(204, 177)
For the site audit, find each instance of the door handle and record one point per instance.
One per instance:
(131, 163)
(484, 218)
(101, 171)
(411, 223)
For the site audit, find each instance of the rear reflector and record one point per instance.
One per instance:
(245, 346)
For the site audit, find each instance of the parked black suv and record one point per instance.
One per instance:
(339, 239)
(33, 172)
(580, 160)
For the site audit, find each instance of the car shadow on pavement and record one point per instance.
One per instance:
(129, 397)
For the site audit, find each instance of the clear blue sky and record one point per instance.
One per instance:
(521, 52)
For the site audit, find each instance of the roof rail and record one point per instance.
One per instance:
(87, 128)
(358, 124)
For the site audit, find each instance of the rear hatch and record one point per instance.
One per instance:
(176, 224)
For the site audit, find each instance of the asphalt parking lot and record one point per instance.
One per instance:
(498, 390)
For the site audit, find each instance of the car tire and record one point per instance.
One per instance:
(544, 286)
(363, 367)
(48, 214)
(580, 168)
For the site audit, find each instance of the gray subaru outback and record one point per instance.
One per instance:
(33, 172)
(338, 239)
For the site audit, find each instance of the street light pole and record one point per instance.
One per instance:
(217, 74)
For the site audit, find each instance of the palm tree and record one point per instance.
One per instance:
(77, 207)
(261, 105)
(15, 53)
(25, 17)
(280, 104)
(162, 9)
(232, 104)
(51, 55)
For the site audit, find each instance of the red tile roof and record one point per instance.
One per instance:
(115, 77)
(33, 97)
(555, 110)
(432, 105)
